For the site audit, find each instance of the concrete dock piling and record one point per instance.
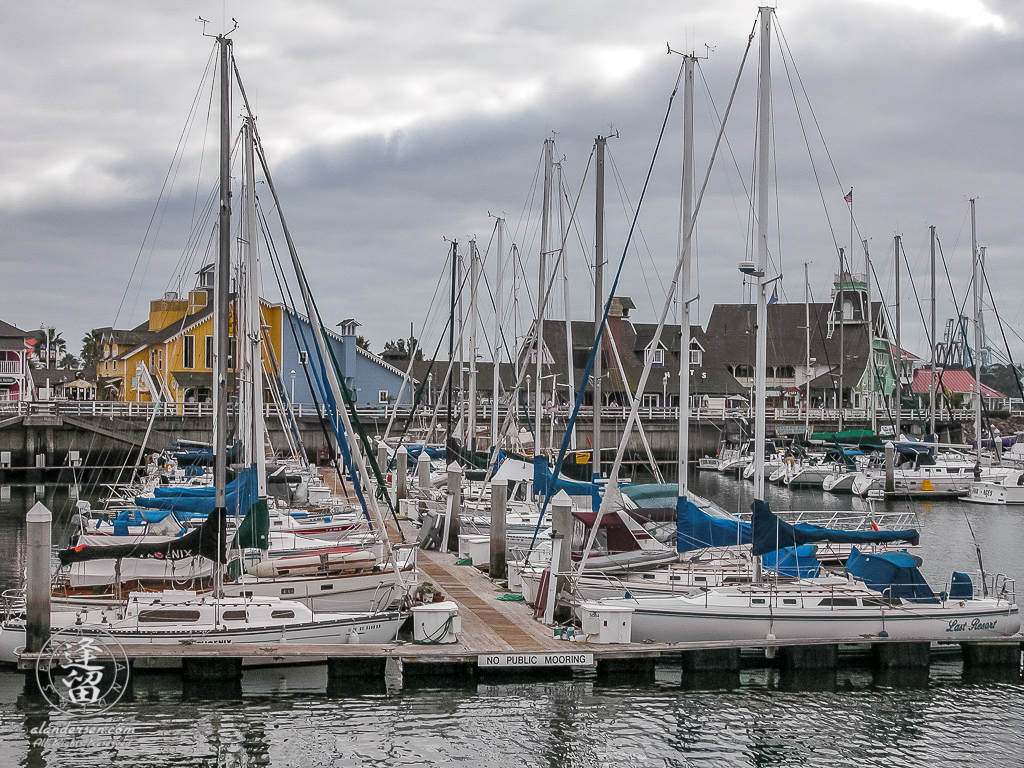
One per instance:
(499, 510)
(37, 577)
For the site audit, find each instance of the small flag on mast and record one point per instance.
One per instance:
(848, 197)
(775, 297)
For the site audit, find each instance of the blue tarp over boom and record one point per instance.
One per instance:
(771, 533)
(794, 562)
(893, 573)
(547, 485)
(696, 529)
(241, 495)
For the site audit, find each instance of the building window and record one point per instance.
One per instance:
(657, 356)
(188, 352)
(651, 401)
(303, 357)
(743, 371)
(209, 353)
(847, 310)
(695, 356)
(383, 396)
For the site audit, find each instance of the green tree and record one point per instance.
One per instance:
(92, 346)
(68, 361)
(57, 347)
(403, 348)
(363, 342)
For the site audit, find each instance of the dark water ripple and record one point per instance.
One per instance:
(842, 719)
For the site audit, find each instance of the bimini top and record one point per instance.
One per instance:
(895, 574)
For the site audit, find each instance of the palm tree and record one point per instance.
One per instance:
(57, 347)
(68, 361)
(92, 346)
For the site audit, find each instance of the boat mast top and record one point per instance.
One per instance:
(976, 269)
(932, 387)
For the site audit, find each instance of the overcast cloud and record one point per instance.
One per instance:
(393, 125)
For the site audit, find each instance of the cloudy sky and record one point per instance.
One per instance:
(394, 125)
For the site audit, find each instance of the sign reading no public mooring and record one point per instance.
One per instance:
(536, 660)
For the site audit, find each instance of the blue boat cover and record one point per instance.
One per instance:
(696, 529)
(416, 450)
(241, 495)
(771, 533)
(894, 573)
(794, 562)
(962, 587)
(547, 485)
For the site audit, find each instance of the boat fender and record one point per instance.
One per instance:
(883, 633)
(627, 596)
(353, 637)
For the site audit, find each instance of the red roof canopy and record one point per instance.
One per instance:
(952, 381)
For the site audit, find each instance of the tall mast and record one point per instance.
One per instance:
(842, 327)
(599, 146)
(975, 266)
(569, 344)
(254, 326)
(932, 388)
(871, 339)
(542, 281)
(684, 282)
(223, 281)
(899, 349)
(496, 345)
(761, 361)
(807, 351)
(474, 286)
(221, 302)
(451, 334)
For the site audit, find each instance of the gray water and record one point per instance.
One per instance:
(759, 717)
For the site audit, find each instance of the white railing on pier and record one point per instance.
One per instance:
(610, 413)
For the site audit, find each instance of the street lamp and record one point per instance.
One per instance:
(664, 389)
(293, 386)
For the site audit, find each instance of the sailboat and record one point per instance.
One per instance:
(173, 617)
(878, 595)
(250, 614)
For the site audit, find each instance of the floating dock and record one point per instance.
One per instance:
(502, 637)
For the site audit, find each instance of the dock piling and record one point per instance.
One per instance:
(902, 655)
(401, 473)
(450, 541)
(37, 577)
(499, 510)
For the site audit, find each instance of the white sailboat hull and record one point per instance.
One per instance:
(693, 619)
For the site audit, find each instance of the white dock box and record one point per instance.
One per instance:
(476, 547)
(436, 623)
(606, 624)
(515, 576)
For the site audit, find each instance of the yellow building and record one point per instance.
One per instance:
(173, 351)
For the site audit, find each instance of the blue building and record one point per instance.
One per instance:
(374, 381)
